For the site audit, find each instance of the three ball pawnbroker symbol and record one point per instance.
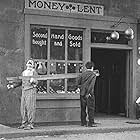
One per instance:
(70, 7)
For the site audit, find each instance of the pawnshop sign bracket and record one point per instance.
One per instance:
(68, 7)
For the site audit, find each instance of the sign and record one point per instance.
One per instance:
(39, 42)
(75, 39)
(57, 38)
(75, 44)
(57, 44)
(39, 36)
(68, 7)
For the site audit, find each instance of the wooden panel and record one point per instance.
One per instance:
(58, 96)
(58, 110)
(52, 104)
(57, 115)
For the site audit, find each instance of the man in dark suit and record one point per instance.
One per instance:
(86, 82)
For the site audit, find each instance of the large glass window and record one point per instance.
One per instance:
(72, 86)
(74, 67)
(57, 68)
(57, 86)
(58, 56)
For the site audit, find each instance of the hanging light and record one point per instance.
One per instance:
(115, 35)
(129, 33)
(129, 37)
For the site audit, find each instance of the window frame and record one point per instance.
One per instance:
(66, 75)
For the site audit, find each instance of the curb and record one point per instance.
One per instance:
(77, 130)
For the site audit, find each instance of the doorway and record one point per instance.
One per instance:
(111, 87)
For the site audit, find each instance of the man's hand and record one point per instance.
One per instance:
(138, 101)
(9, 86)
(96, 72)
(32, 80)
(87, 96)
(138, 104)
(78, 90)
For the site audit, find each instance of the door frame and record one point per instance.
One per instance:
(129, 65)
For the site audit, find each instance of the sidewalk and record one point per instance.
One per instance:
(105, 125)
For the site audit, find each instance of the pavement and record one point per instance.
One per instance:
(104, 125)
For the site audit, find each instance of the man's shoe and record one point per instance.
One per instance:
(22, 126)
(92, 125)
(29, 126)
(84, 125)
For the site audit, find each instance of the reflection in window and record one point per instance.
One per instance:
(75, 45)
(57, 44)
(57, 68)
(39, 39)
(57, 86)
(75, 67)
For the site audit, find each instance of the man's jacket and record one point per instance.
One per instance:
(86, 82)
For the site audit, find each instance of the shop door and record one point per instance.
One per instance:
(110, 88)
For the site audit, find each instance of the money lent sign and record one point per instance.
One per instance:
(68, 7)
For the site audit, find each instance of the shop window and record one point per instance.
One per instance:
(57, 68)
(74, 67)
(42, 87)
(58, 56)
(41, 67)
(57, 86)
(71, 87)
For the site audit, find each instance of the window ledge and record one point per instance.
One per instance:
(58, 97)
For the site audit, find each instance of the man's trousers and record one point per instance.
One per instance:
(88, 103)
(28, 105)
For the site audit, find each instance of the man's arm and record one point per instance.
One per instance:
(33, 81)
(79, 79)
(14, 84)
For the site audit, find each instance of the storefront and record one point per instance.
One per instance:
(63, 36)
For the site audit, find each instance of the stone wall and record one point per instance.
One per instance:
(11, 56)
